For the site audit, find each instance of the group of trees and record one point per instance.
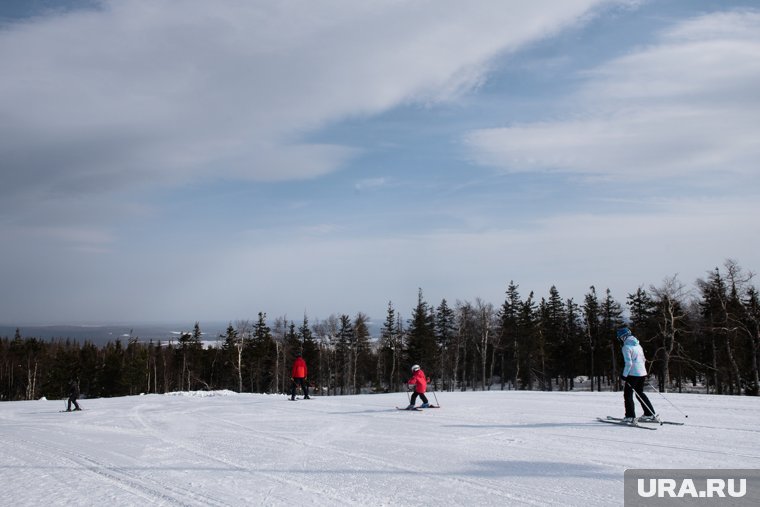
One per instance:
(707, 339)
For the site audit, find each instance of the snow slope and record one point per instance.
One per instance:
(480, 448)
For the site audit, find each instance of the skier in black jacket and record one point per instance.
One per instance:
(73, 395)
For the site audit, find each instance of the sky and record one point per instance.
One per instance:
(177, 161)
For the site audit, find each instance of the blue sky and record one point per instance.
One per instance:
(174, 161)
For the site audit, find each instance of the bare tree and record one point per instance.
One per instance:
(241, 337)
(484, 328)
(734, 316)
(670, 298)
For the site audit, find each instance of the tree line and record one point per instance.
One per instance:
(705, 339)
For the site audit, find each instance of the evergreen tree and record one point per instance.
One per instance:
(361, 353)
(343, 342)
(572, 346)
(509, 333)
(232, 347)
(611, 320)
(527, 323)
(552, 336)
(421, 344)
(264, 356)
(642, 311)
(391, 349)
(189, 348)
(445, 329)
(592, 318)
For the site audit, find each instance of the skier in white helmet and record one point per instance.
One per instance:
(420, 386)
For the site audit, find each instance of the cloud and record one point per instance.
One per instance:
(165, 92)
(685, 105)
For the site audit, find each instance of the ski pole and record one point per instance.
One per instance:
(436, 398)
(666, 399)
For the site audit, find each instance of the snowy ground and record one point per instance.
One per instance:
(492, 448)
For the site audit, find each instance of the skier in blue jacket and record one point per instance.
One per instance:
(634, 375)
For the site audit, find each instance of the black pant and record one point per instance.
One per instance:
(636, 384)
(73, 400)
(421, 395)
(304, 388)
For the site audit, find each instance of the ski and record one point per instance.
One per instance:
(414, 409)
(621, 423)
(430, 406)
(675, 423)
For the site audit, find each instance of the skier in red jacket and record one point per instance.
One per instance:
(298, 377)
(420, 386)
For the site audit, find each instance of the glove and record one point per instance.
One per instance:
(623, 378)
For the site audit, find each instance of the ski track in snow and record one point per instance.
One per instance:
(480, 448)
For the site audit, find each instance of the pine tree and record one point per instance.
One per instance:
(189, 348)
(642, 311)
(527, 322)
(421, 345)
(391, 349)
(233, 348)
(444, 335)
(263, 358)
(611, 314)
(509, 332)
(553, 335)
(573, 345)
(361, 352)
(591, 318)
(343, 353)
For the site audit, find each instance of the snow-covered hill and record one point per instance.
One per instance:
(481, 448)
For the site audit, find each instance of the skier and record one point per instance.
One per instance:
(298, 377)
(633, 376)
(73, 395)
(420, 386)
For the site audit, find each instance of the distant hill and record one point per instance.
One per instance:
(100, 335)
